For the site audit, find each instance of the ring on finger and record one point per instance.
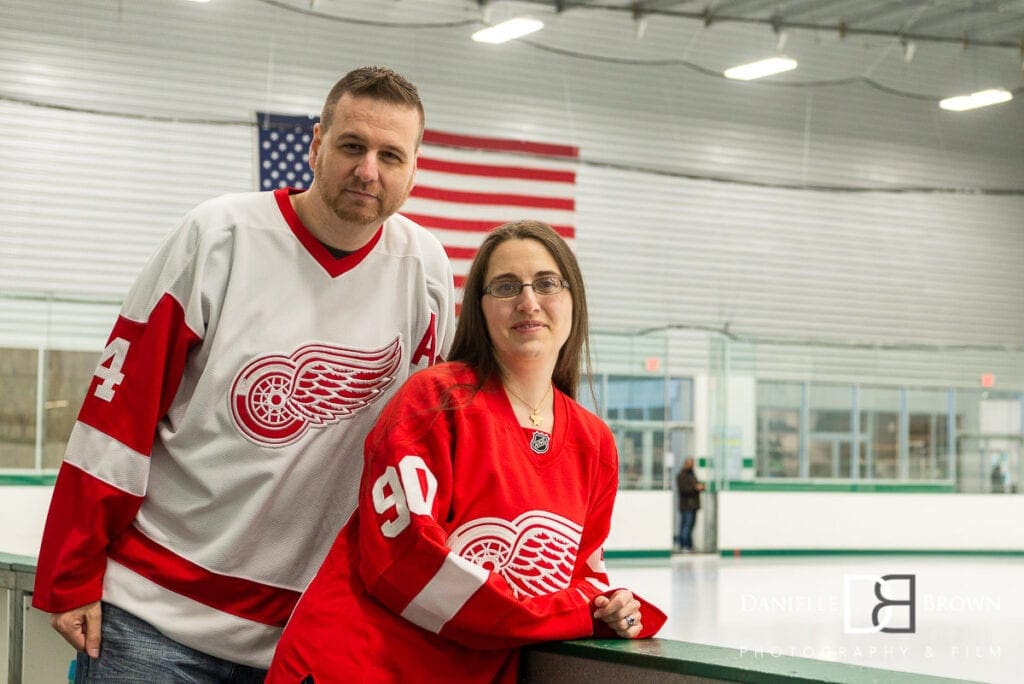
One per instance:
(630, 621)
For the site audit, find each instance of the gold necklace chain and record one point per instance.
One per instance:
(535, 416)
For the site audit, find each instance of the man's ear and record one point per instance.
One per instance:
(314, 144)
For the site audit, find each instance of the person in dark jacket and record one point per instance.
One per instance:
(689, 503)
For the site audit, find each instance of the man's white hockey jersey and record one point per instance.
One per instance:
(220, 445)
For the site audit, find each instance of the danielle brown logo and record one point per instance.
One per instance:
(879, 604)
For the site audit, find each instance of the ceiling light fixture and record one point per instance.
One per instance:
(982, 98)
(640, 27)
(909, 48)
(508, 30)
(766, 67)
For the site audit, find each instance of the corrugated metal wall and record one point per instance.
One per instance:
(691, 206)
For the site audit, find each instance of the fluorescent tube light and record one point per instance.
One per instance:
(982, 98)
(507, 30)
(766, 67)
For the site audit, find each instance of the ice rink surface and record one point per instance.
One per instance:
(952, 616)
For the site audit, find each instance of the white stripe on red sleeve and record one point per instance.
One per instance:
(444, 595)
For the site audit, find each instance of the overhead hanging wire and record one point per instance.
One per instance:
(820, 83)
(708, 17)
(638, 13)
(455, 23)
(126, 115)
(583, 161)
(852, 80)
(879, 345)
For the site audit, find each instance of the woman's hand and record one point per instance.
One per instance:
(621, 613)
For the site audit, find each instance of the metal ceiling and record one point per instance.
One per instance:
(917, 49)
(923, 50)
(992, 23)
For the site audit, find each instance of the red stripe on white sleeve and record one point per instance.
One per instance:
(138, 375)
(85, 513)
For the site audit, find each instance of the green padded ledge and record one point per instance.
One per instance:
(728, 664)
(684, 658)
(974, 553)
(33, 479)
(12, 561)
(637, 553)
(877, 487)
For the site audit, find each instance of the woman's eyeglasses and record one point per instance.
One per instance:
(548, 285)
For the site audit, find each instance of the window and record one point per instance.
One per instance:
(830, 441)
(68, 374)
(589, 392)
(928, 447)
(852, 432)
(19, 372)
(34, 433)
(880, 421)
(648, 416)
(990, 441)
(778, 429)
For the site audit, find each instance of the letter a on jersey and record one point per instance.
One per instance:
(428, 344)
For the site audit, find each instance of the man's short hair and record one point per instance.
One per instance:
(378, 83)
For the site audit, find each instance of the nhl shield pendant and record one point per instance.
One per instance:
(539, 442)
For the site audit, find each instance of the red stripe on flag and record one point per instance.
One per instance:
(503, 199)
(473, 142)
(460, 252)
(472, 226)
(464, 225)
(460, 281)
(492, 171)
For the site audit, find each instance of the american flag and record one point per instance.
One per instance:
(465, 185)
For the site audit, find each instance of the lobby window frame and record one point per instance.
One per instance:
(836, 432)
(649, 416)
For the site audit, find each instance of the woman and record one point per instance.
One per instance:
(485, 499)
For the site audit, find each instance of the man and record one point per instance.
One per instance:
(689, 503)
(219, 448)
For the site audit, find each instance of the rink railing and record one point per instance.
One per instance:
(570, 662)
(17, 575)
(663, 661)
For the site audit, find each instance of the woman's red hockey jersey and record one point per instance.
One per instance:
(473, 536)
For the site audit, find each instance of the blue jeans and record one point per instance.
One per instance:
(686, 521)
(132, 650)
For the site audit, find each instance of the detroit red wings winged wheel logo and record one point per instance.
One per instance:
(535, 553)
(275, 399)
